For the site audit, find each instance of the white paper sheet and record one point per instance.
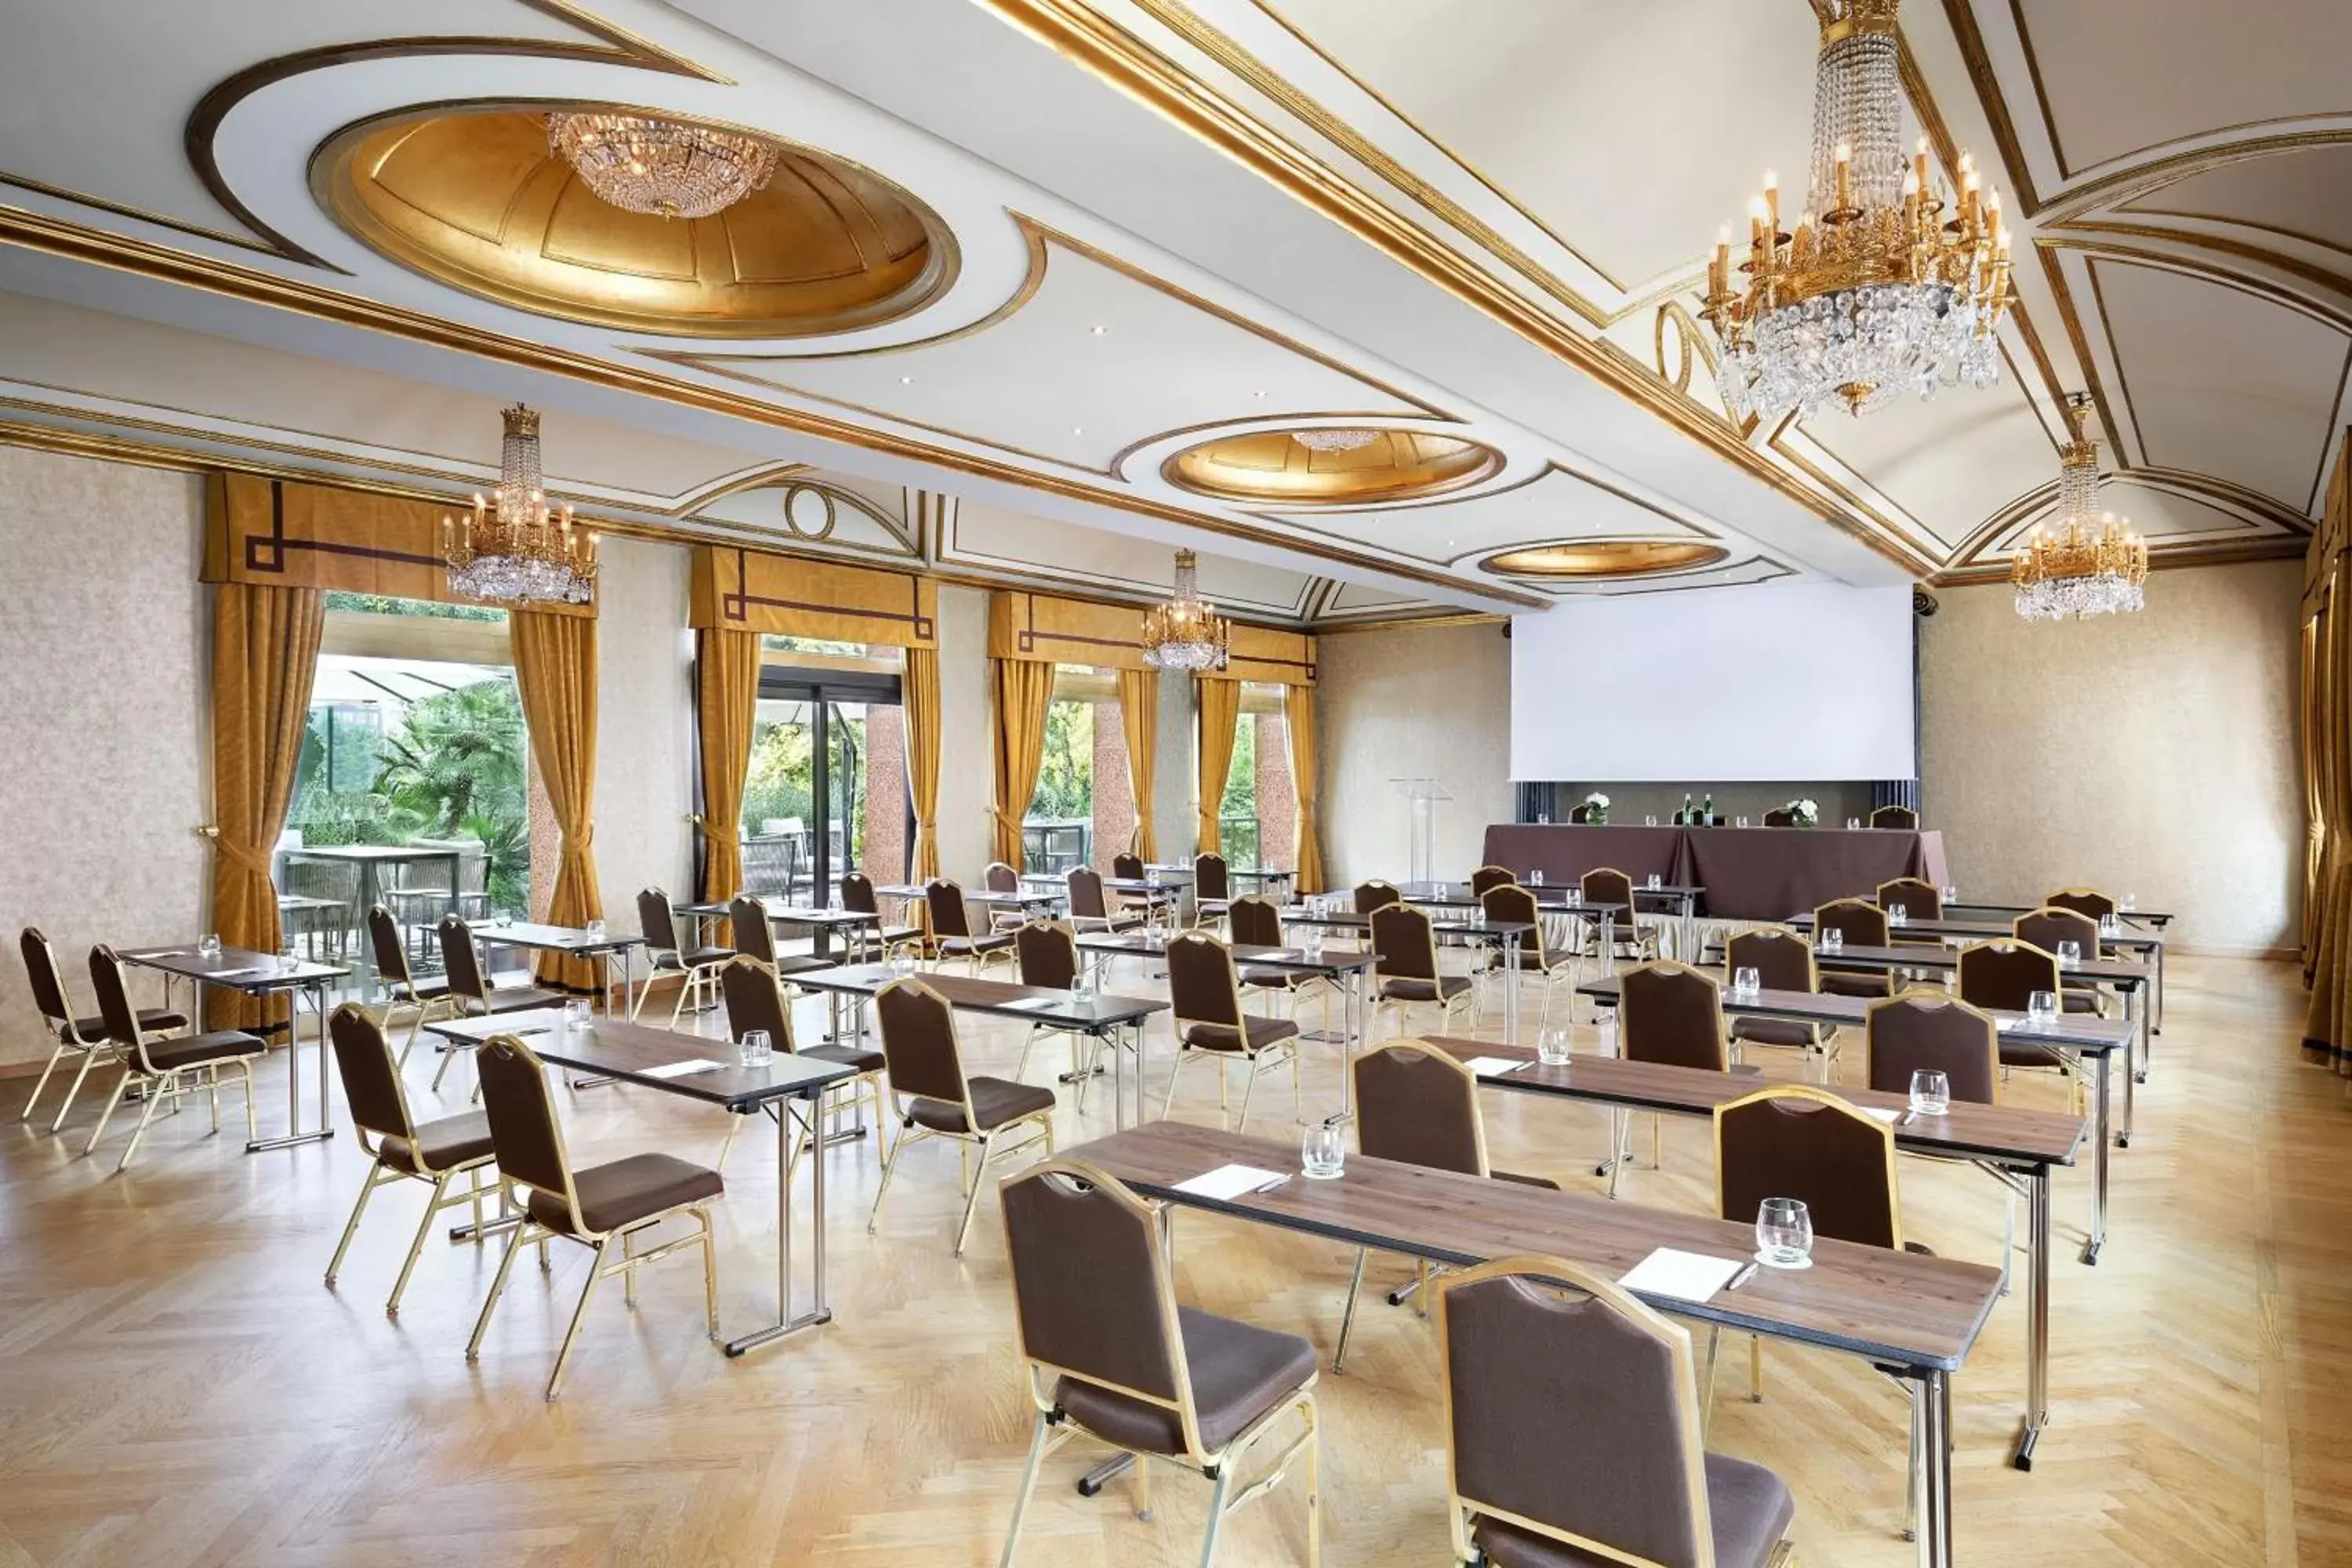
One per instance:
(1876, 1114)
(1683, 1276)
(687, 1068)
(1488, 1066)
(1229, 1182)
(1037, 1004)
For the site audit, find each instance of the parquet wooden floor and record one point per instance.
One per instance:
(178, 1390)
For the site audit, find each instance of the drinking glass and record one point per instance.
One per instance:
(1898, 915)
(1082, 984)
(288, 960)
(575, 1012)
(2109, 925)
(1311, 944)
(1543, 819)
(2070, 955)
(1649, 821)
(1952, 895)
(1323, 1150)
(1551, 1047)
(1743, 822)
(2131, 900)
(1152, 876)
(1573, 897)
(208, 945)
(596, 931)
(1655, 882)
(1853, 823)
(1784, 1234)
(1832, 940)
(2042, 1009)
(1931, 1093)
(1747, 983)
(1535, 878)
(756, 1049)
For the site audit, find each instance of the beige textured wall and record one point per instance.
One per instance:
(2153, 753)
(967, 714)
(104, 664)
(1412, 703)
(645, 725)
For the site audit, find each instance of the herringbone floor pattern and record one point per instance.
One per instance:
(177, 1390)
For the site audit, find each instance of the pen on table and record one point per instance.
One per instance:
(1741, 1278)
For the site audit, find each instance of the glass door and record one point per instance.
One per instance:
(826, 792)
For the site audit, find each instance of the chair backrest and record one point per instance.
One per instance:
(755, 1000)
(1202, 986)
(1047, 952)
(390, 953)
(1932, 1031)
(48, 982)
(1210, 879)
(655, 921)
(1894, 816)
(1670, 1014)
(2003, 974)
(2046, 927)
(1092, 1295)
(1510, 901)
(747, 923)
(999, 878)
(1418, 1105)
(1553, 1378)
(1782, 959)
(1255, 922)
(525, 1134)
(1860, 922)
(1127, 867)
(371, 1086)
(114, 1006)
(1376, 895)
(2083, 900)
(1087, 901)
(1608, 884)
(1405, 946)
(1580, 814)
(919, 1041)
(1780, 816)
(945, 898)
(461, 961)
(1486, 878)
(1792, 1141)
(857, 894)
(1921, 901)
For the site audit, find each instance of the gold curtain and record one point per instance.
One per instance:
(921, 709)
(265, 653)
(1298, 720)
(1139, 715)
(1221, 711)
(727, 694)
(2327, 771)
(555, 674)
(1025, 690)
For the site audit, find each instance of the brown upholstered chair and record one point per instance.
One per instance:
(757, 998)
(1862, 924)
(999, 878)
(1206, 996)
(750, 928)
(1782, 961)
(1510, 901)
(1046, 953)
(1780, 816)
(1404, 953)
(2001, 975)
(2083, 900)
(1376, 894)
(698, 966)
(857, 896)
(82, 1036)
(1094, 1302)
(951, 932)
(1932, 1031)
(1920, 898)
(1628, 934)
(1579, 816)
(1127, 867)
(602, 1207)
(168, 1066)
(1893, 816)
(1486, 878)
(937, 1100)
(1419, 1106)
(436, 1152)
(424, 999)
(1670, 1014)
(1130, 867)
(2047, 927)
(1256, 921)
(1090, 911)
(1212, 887)
(461, 960)
(1574, 1433)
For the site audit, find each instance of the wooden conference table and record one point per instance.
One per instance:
(1505, 935)
(822, 923)
(258, 974)
(2002, 1140)
(1554, 899)
(1749, 873)
(1915, 1315)
(606, 947)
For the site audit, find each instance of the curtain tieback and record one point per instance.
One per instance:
(242, 854)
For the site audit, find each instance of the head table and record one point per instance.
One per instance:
(1749, 873)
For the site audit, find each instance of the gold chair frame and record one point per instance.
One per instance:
(65, 1037)
(1622, 1121)
(1258, 1056)
(1469, 995)
(974, 958)
(862, 1089)
(1643, 937)
(1823, 1051)
(1554, 970)
(169, 1083)
(400, 991)
(700, 978)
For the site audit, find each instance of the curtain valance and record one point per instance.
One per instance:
(742, 590)
(1051, 629)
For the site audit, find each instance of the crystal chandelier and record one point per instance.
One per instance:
(1876, 293)
(665, 168)
(511, 548)
(2096, 566)
(1185, 632)
(1334, 440)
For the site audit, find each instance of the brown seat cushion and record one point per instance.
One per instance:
(1402, 989)
(1835, 982)
(1262, 1032)
(960, 944)
(894, 934)
(2079, 1001)
(1748, 1506)
(160, 1020)
(1239, 1372)
(1771, 1032)
(445, 1144)
(519, 999)
(1273, 979)
(623, 1191)
(189, 1050)
(692, 958)
(854, 1056)
(995, 1100)
(2020, 1055)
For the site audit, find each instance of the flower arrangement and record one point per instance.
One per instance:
(1596, 807)
(1806, 813)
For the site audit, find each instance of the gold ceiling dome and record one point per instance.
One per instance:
(1593, 558)
(1275, 467)
(475, 197)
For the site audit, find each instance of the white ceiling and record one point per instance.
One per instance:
(1279, 211)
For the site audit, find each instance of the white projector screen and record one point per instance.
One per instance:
(1777, 682)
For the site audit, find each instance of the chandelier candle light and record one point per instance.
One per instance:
(1185, 632)
(664, 168)
(2089, 562)
(1877, 293)
(511, 548)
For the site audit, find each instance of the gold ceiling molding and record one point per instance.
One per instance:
(2233, 552)
(616, 45)
(1270, 467)
(139, 214)
(1591, 560)
(471, 196)
(1372, 621)
(811, 511)
(2334, 282)
(2245, 508)
(144, 258)
(1700, 580)
(950, 547)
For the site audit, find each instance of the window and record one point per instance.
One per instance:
(1058, 830)
(1257, 819)
(826, 790)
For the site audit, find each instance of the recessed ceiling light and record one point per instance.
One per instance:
(1262, 393)
(1099, 332)
(905, 381)
(1077, 429)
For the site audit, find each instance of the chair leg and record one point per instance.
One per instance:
(1348, 1317)
(1217, 1506)
(515, 1244)
(351, 1225)
(1143, 1487)
(1620, 1127)
(212, 1083)
(73, 1089)
(564, 1355)
(1755, 1369)
(889, 1169)
(1314, 1485)
(54, 1053)
(1249, 1086)
(971, 1199)
(157, 1092)
(734, 1129)
(710, 1274)
(1175, 1071)
(252, 1126)
(449, 1049)
(1029, 1488)
(417, 1247)
(107, 1114)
